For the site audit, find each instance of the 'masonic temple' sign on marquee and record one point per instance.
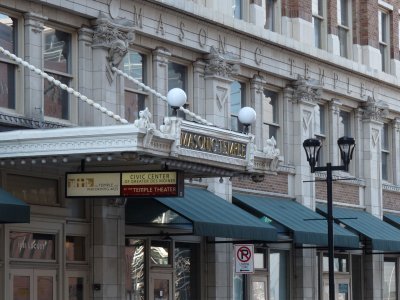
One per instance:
(125, 184)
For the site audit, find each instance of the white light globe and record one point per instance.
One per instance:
(176, 97)
(247, 115)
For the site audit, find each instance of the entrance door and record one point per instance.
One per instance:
(161, 286)
(76, 285)
(32, 284)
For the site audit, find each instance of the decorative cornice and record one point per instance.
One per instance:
(19, 121)
(391, 187)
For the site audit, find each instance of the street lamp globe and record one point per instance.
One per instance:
(176, 98)
(346, 145)
(247, 116)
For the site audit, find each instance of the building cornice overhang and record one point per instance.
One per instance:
(142, 142)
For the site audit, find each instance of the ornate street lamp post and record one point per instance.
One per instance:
(312, 148)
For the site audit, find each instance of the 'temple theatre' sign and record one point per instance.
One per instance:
(125, 184)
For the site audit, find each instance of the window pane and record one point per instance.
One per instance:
(344, 124)
(75, 248)
(383, 28)
(237, 9)
(135, 66)
(45, 288)
(389, 286)
(343, 13)
(342, 32)
(258, 290)
(56, 99)
(317, 32)
(7, 85)
(8, 32)
(159, 252)
(383, 51)
(238, 286)
(270, 15)
(237, 102)
(57, 50)
(27, 245)
(186, 268)
(340, 263)
(21, 288)
(135, 269)
(385, 137)
(134, 102)
(279, 283)
(176, 76)
(319, 119)
(270, 107)
(385, 166)
(75, 288)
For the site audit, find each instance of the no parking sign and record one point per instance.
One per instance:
(244, 258)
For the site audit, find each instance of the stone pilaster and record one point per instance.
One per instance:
(257, 84)
(199, 89)
(218, 72)
(85, 83)
(33, 49)
(108, 251)
(305, 275)
(333, 154)
(160, 83)
(396, 151)
(288, 126)
(373, 276)
(110, 45)
(304, 101)
(373, 112)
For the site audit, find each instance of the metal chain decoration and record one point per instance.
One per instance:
(63, 86)
(157, 94)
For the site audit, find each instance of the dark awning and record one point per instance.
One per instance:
(13, 210)
(209, 214)
(392, 219)
(305, 225)
(382, 236)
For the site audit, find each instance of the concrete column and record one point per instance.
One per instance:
(257, 101)
(160, 84)
(305, 274)
(33, 49)
(85, 112)
(108, 250)
(288, 126)
(373, 276)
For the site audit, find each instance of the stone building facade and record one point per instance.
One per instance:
(319, 69)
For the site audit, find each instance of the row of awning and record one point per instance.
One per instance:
(262, 219)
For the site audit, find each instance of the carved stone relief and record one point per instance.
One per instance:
(221, 64)
(374, 110)
(222, 96)
(306, 90)
(375, 135)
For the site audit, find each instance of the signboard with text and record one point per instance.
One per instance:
(125, 184)
(244, 258)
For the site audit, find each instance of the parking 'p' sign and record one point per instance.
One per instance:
(244, 258)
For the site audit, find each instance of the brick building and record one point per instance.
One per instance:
(310, 69)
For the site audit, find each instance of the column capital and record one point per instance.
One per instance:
(221, 64)
(306, 90)
(373, 110)
(35, 21)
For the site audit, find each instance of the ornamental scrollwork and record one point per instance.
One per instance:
(219, 64)
(374, 110)
(306, 90)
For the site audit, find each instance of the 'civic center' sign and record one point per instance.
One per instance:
(125, 184)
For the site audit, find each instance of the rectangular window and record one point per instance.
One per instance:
(385, 151)
(318, 19)
(57, 63)
(390, 280)
(237, 9)
(343, 16)
(340, 263)
(177, 78)
(36, 246)
(8, 40)
(134, 64)
(237, 98)
(270, 114)
(270, 7)
(384, 35)
(75, 248)
(344, 124)
(160, 253)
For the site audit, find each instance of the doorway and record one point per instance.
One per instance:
(33, 284)
(160, 286)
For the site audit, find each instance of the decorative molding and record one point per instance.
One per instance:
(219, 64)
(115, 36)
(35, 22)
(19, 121)
(374, 110)
(306, 90)
(391, 187)
(375, 135)
(221, 97)
(307, 117)
(257, 84)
